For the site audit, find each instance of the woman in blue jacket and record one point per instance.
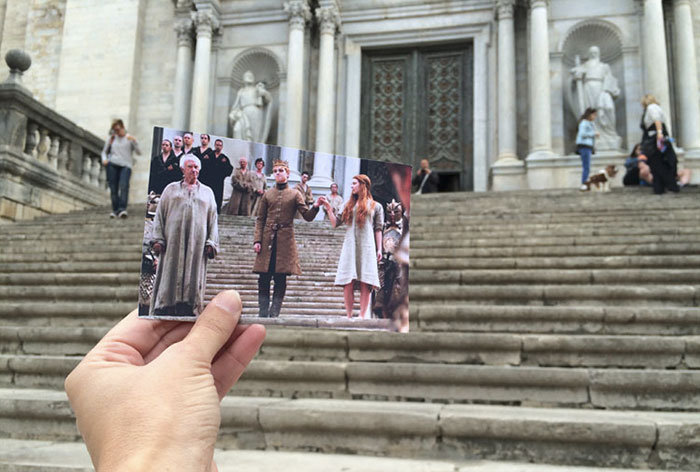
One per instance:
(585, 141)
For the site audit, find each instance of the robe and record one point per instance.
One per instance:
(185, 223)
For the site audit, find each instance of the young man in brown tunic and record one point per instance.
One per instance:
(274, 243)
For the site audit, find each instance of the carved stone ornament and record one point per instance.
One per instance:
(205, 23)
(328, 18)
(504, 9)
(183, 28)
(299, 13)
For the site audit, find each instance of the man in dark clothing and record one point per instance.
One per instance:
(165, 168)
(425, 180)
(215, 167)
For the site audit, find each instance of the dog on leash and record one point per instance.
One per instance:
(601, 179)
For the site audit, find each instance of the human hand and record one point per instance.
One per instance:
(257, 247)
(210, 252)
(157, 248)
(130, 137)
(147, 396)
(379, 255)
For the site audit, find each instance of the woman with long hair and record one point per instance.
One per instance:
(362, 247)
(585, 142)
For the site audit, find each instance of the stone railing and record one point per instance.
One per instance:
(48, 164)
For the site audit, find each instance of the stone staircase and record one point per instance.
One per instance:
(547, 327)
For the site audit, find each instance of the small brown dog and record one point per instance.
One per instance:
(601, 179)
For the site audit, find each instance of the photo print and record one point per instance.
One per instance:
(307, 239)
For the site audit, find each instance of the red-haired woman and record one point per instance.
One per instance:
(362, 247)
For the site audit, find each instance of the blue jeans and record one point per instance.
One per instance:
(585, 153)
(118, 178)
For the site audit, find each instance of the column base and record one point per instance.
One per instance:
(321, 181)
(508, 173)
(691, 160)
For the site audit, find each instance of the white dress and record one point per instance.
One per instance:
(358, 258)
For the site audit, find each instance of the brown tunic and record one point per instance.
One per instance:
(276, 211)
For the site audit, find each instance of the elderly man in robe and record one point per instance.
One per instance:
(185, 235)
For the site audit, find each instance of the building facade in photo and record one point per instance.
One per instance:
(489, 91)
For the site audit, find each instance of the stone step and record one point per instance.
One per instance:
(420, 277)
(663, 440)
(672, 249)
(545, 350)
(597, 241)
(614, 320)
(420, 232)
(678, 217)
(559, 263)
(540, 294)
(608, 388)
(27, 455)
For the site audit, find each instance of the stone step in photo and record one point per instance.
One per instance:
(643, 440)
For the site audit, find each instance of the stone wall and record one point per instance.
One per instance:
(43, 42)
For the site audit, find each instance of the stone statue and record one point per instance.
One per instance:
(597, 87)
(251, 113)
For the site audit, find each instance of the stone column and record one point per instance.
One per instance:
(655, 59)
(507, 136)
(299, 13)
(205, 23)
(540, 99)
(325, 109)
(183, 74)
(508, 170)
(686, 78)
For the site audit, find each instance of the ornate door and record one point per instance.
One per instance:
(417, 104)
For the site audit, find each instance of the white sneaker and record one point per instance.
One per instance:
(123, 214)
(583, 188)
(112, 215)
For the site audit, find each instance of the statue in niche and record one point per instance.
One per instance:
(596, 87)
(251, 113)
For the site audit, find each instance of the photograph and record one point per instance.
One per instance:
(307, 239)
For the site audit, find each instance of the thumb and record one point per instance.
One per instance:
(215, 325)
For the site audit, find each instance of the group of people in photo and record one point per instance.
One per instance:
(186, 188)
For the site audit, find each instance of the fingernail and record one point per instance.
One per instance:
(229, 301)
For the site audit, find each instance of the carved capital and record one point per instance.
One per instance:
(504, 9)
(205, 23)
(299, 13)
(329, 19)
(183, 28)
(539, 4)
(681, 3)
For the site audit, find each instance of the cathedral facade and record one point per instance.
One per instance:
(490, 91)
